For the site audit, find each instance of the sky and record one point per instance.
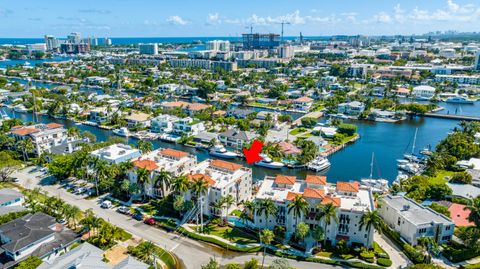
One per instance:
(190, 18)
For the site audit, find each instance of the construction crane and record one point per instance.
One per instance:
(283, 23)
(250, 27)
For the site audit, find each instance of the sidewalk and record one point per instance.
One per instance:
(399, 259)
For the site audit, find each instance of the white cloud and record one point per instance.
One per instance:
(382, 17)
(294, 18)
(176, 20)
(214, 19)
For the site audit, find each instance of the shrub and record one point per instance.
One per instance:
(367, 256)
(342, 248)
(471, 266)
(384, 262)
(462, 178)
(347, 129)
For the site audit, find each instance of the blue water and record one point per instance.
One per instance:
(4, 64)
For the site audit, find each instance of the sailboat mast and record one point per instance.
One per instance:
(414, 141)
(371, 165)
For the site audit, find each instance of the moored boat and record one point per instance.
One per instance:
(269, 163)
(220, 151)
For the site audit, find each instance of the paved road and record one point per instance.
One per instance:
(191, 253)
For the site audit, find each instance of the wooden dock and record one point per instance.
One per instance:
(451, 116)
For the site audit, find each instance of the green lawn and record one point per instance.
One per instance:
(299, 130)
(324, 254)
(234, 235)
(125, 236)
(440, 177)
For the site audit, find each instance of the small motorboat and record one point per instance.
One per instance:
(220, 151)
(319, 164)
(269, 163)
(123, 131)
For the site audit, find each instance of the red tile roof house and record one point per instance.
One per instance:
(43, 136)
(303, 103)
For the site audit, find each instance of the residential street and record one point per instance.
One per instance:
(191, 253)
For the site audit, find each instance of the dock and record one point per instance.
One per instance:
(451, 116)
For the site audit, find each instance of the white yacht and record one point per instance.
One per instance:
(220, 151)
(319, 164)
(20, 108)
(123, 131)
(459, 99)
(269, 163)
(379, 185)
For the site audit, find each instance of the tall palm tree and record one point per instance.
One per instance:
(199, 188)
(266, 237)
(268, 208)
(143, 178)
(145, 146)
(229, 201)
(180, 184)
(164, 178)
(327, 213)
(25, 146)
(146, 250)
(474, 207)
(299, 206)
(249, 207)
(369, 219)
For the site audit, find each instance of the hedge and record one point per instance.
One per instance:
(384, 262)
(459, 254)
(344, 263)
(218, 242)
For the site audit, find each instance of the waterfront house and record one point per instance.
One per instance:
(289, 149)
(401, 92)
(354, 108)
(35, 234)
(43, 136)
(239, 113)
(188, 126)
(173, 161)
(169, 88)
(96, 80)
(100, 115)
(349, 198)
(138, 119)
(413, 220)
(302, 103)
(223, 179)
(116, 153)
(236, 139)
(189, 108)
(163, 123)
(87, 256)
(423, 92)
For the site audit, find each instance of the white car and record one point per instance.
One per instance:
(106, 204)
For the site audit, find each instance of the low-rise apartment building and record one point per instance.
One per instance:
(223, 179)
(188, 126)
(43, 136)
(163, 123)
(349, 198)
(414, 221)
(116, 153)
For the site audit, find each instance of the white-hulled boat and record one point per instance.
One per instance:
(459, 100)
(220, 151)
(319, 164)
(123, 131)
(20, 108)
(379, 185)
(269, 163)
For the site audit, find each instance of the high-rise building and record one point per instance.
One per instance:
(74, 38)
(260, 41)
(218, 45)
(477, 61)
(51, 43)
(71, 48)
(107, 41)
(151, 48)
(93, 41)
(286, 52)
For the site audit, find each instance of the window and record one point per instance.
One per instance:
(422, 230)
(447, 228)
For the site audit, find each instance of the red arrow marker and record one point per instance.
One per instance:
(252, 154)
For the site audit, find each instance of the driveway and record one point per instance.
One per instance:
(191, 253)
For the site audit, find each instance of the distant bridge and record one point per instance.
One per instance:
(450, 116)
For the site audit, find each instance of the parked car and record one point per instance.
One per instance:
(138, 216)
(80, 190)
(149, 221)
(106, 204)
(123, 210)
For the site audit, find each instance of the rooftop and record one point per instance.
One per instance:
(116, 152)
(222, 172)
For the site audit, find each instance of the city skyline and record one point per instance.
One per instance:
(128, 18)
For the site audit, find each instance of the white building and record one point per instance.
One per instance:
(163, 123)
(223, 179)
(218, 45)
(286, 52)
(302, 103)
(138, 119)
(116, 153)
(168, 88)
(188, 126)
(423, 92)
(349, 198)
(414, 221)
(151, 48)
(351, 108)
(43, 136)
(476, 66)
(173, 161)
(460, 79)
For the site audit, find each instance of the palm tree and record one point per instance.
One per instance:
(199, 188)
(249, 206)
(146, 250)
(25, 146)
(73, 132)
(180, 184)
(301, 231)
(268, 208)
(165, 179)
(125, 187)
(369, 219)
(299, 206)
(318, 234)
(266, 236)
(327, 213)
(143, 176)
(145, 146)
(229, 201)
(474, 207)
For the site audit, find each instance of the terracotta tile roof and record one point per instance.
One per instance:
(292, 195)
(304, 99)
(225, 165)
(289, 180)
(348, 186)
(25, 131)
(175, 104)
(314, 179)
(197, 106)
(199, 176)
(145, 164)
(313, 193)
(54, 125)
(173, 153)
(289, 148)
(336, 201)
(459, 215)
